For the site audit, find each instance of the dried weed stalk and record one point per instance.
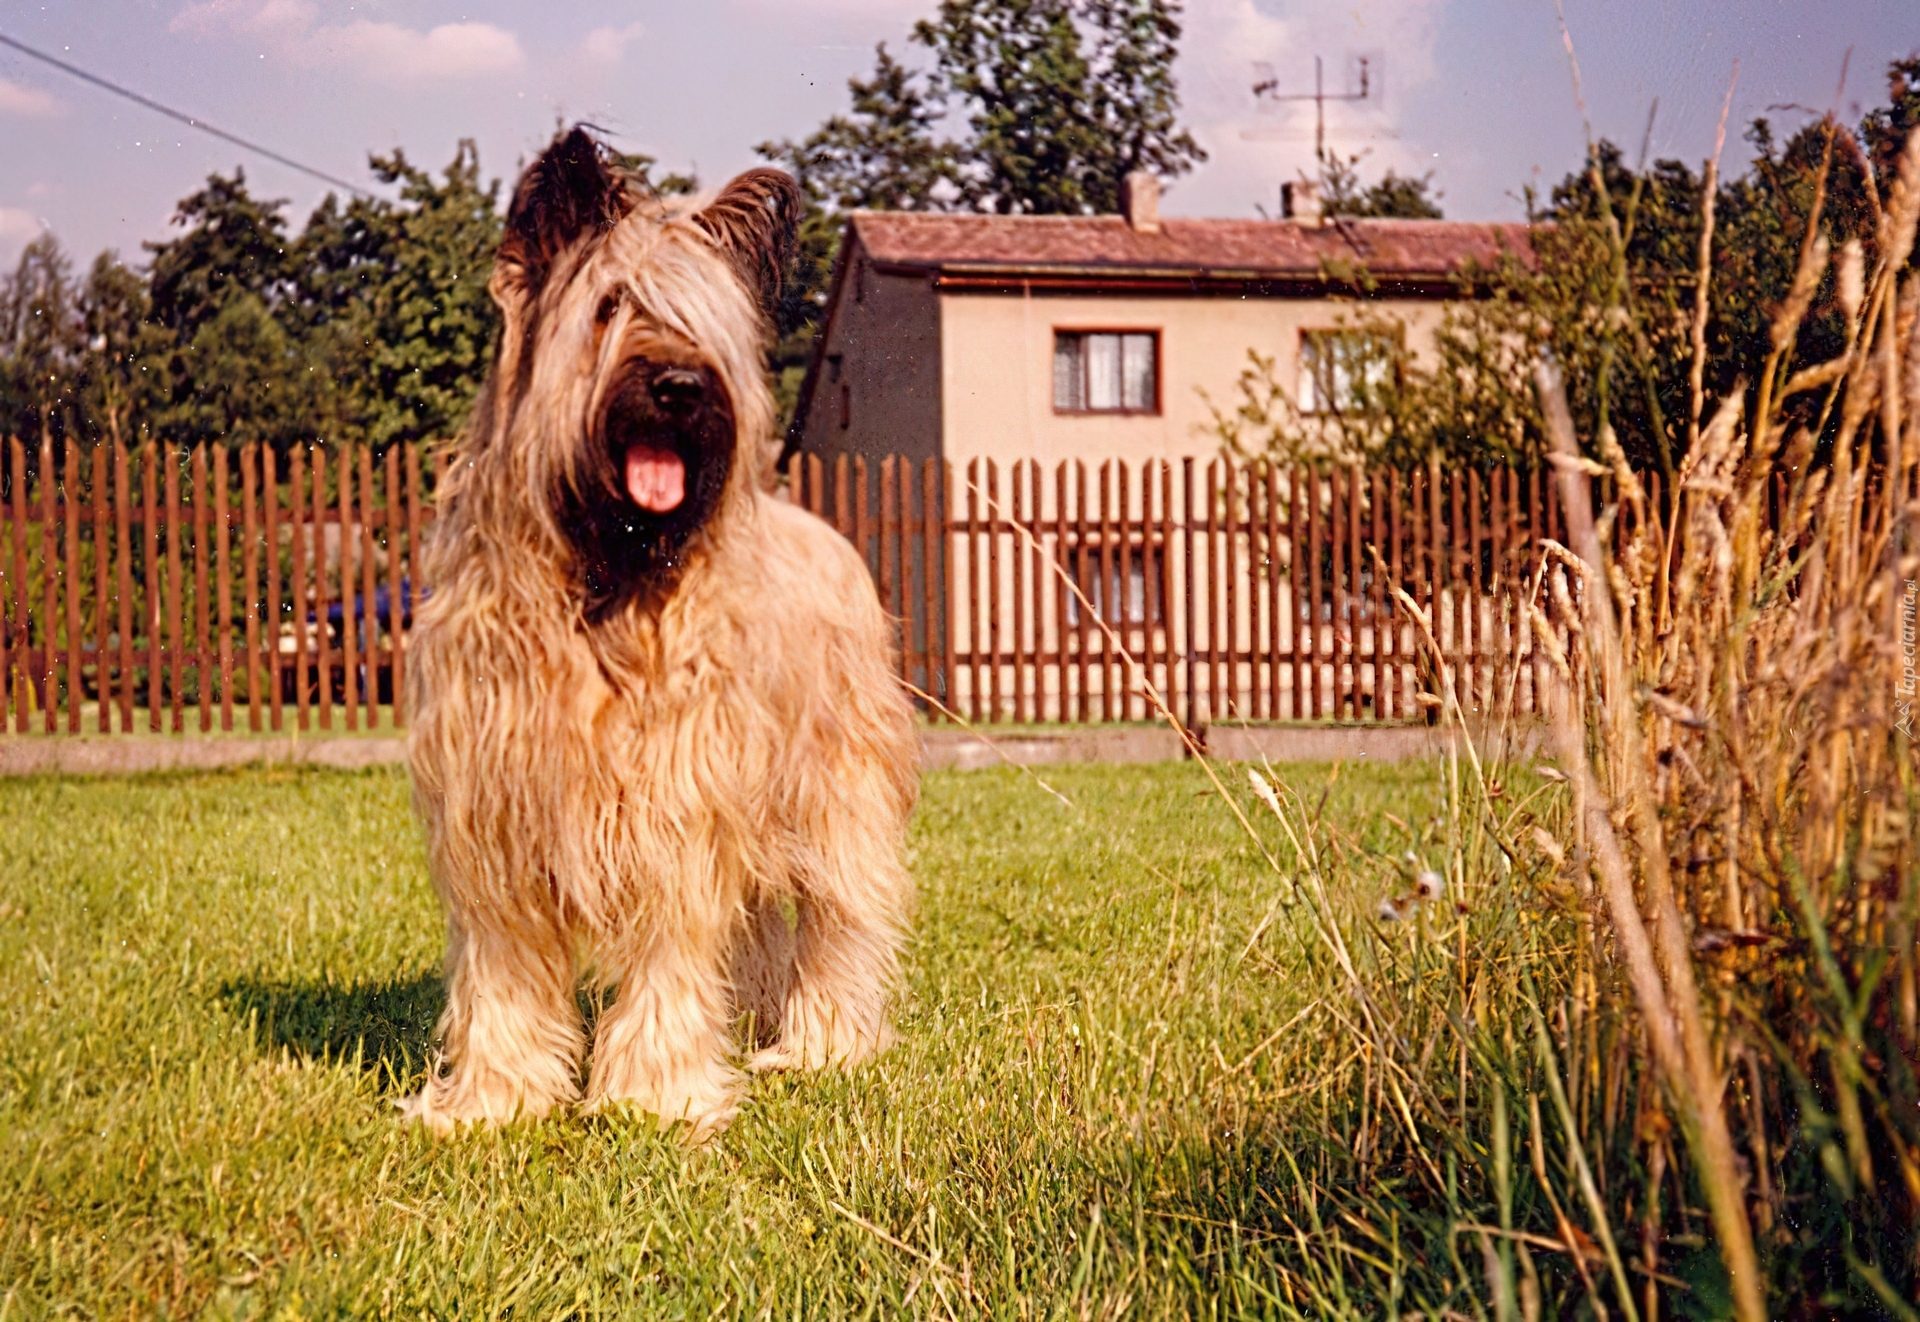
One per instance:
(1730, 715)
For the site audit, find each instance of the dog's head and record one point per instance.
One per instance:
(628, 400)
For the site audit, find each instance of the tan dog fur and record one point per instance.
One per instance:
(653, 793)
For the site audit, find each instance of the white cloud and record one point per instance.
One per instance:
(451, 50)
(388, 52)
(31, 101)
(608, 45)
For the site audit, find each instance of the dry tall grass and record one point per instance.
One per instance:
(1659, 1050)
(1743, 784)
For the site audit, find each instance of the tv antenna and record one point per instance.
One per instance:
(1266, 91)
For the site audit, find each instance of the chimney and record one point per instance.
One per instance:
(1300, 203)
(1140, 202)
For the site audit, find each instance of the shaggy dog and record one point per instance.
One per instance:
(656, 730)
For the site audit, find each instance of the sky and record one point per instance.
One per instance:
(1478, 92)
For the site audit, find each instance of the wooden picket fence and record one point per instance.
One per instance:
(140, 584)
(168, 589)
(1218, 590)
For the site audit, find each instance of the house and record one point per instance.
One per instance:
(1093, 337)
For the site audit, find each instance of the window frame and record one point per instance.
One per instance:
(1153, 411)
(1394, 344)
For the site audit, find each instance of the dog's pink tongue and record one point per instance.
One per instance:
(656, 478)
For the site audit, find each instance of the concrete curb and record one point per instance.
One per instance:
(964, 750)
(94, 756)
(940, 749)
(1343, 743)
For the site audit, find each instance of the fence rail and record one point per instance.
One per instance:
(220, 587)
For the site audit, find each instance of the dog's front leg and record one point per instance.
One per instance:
(852, 897)
(662, 1045)
(511, 1036)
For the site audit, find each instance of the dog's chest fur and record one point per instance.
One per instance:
(669, 728)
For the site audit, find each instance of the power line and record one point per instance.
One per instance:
(184, 118)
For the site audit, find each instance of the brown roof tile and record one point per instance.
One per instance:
(1272, 249)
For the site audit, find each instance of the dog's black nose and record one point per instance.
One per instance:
(678, 392)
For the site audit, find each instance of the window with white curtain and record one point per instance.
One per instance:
(1106, 371)
(1345, 371)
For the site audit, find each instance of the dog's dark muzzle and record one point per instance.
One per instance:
(668, 437)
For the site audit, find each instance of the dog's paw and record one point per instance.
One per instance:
(819, 1049)
(695, 1122)
(416, 1108)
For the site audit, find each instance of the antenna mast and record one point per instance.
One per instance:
(1267, 90)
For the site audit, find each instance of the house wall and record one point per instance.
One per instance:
(878, 392)
(997, 373)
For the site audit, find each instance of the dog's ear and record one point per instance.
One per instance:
(570, 190)
(754, 220)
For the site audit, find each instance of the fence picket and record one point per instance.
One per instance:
(972, 602)
(202, 553)
(862, 518)
(7, 686)
(1376, 599)
(296, 511)
(1104, 595)
(416, 553)
(934, 621)
(1065, 604)
(915, 665)
(223, 579)
(175, 625)
(842, 507)
(349, 552)
(940, 525)
(250, 578)
(365, 608)
(70, 507)
(1083, 599)
(1043, 585)
(123, 581)
(1019, 654)
(270, 612)
(49, 592)
(991, 625)
(903, 472)
(396, 613)
(150, 576)
(20, 674)
(322, 630)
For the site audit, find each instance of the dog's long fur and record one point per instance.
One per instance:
(673, 754)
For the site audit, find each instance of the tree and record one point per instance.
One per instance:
(881, 156)
(392, 299)
(123, 369)
(40, 341)
(234, 372)
(233, 244)
(1393, 196)
(1064, 98)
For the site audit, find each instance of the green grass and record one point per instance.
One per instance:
(214, 986)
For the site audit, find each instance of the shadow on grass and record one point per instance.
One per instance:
(390, 1024)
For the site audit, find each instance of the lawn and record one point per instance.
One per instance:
(212, 988)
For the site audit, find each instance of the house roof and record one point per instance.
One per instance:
(1099, 250)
